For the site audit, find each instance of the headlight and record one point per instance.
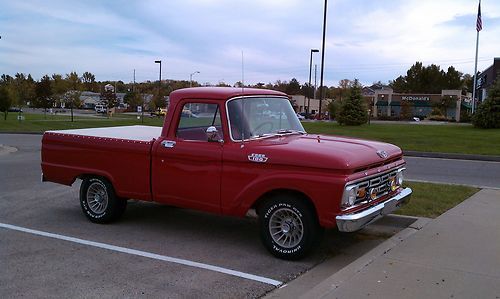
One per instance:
(349, 197)
(400, 177)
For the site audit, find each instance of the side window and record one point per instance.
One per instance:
(196, 118)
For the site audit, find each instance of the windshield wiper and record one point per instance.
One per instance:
(278, 133)
(289, 131)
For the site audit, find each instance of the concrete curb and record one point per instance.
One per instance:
(322, 289)
(23, 133)
(452, 156)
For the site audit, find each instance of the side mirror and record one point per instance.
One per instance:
(213, 134)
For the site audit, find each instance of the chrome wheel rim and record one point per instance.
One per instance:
(286, 228)
(97, 197)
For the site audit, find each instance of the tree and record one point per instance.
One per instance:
(406, 112)
(487, 115)
(333, 108)
(5, 101)
(88, 80)
(428, 79)
(59, 87)
(72, 99)
(44, 93)
(133, 99)
(109, 97)
(453, 79)
(293, 87)
(74, 81)
(353, 111)
(344, 86)
(23, 91)
(158, 102)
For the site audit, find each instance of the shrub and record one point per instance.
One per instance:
(386, 117)
(436, 111)
(333, 108)
(353, 111)
(487, 115)
(465, 116)
(438, 118)
(406, 113)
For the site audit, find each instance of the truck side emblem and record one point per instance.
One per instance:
(382, 154)
(259, 158)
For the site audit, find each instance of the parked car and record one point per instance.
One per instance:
(300, 117)
(100, 108)
(14, 109)
(159, 112)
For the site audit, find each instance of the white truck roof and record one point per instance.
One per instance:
(137, 133)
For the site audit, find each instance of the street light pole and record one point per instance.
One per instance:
(159, 80)
(310, 70)
(191, 78)
(322, 60)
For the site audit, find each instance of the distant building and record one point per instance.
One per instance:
(300, 104)
(486, 79)
(384, 101)
(89, 99)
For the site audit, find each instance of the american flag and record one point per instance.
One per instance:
(479, 22)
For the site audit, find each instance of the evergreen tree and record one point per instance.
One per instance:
(487, 115)
(5, 101)
(353, 111)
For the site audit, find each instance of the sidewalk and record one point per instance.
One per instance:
(456, 255)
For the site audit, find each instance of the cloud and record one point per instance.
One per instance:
(369, 40)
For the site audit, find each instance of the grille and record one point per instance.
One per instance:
(381, 185)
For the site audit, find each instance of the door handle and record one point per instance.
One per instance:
(168, 143)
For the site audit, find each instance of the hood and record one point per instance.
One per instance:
(323, 151)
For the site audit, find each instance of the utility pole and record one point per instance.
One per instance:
(133, 86)
(322, 60)
(310, 69)
(315, 81)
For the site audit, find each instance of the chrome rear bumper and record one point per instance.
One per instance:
(358, 220)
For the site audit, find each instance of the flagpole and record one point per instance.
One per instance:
(475, 75)
(479, 26)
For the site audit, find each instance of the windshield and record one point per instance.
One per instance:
(262, 117)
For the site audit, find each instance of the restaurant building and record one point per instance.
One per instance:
(384, 102)
(486, 79)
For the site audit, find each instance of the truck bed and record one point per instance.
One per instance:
(136, 133)
(120, 154)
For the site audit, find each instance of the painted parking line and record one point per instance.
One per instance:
(145, 254)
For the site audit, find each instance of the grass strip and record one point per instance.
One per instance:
(446, 138)
(431, 200)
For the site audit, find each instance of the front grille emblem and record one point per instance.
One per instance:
(382, 154)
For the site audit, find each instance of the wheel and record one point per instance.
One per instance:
(99, 202)
(289, 228)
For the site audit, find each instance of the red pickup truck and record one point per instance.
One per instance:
(229, 151)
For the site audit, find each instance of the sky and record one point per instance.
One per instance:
(254, 41)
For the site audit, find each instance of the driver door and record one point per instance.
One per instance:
(187, 166)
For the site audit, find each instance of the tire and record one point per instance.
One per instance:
(289, 228)
(99, 202)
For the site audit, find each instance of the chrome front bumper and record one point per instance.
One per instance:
(358, 220)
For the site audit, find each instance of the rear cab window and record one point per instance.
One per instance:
(196, 118)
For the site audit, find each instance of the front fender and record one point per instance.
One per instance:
(324, 192)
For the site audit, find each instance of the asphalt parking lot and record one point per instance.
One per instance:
(49, 249)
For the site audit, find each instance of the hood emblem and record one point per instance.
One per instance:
(382, 154)
(259, 158)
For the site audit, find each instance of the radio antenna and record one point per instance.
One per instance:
(242, 100)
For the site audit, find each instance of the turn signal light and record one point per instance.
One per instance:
(393, 184)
